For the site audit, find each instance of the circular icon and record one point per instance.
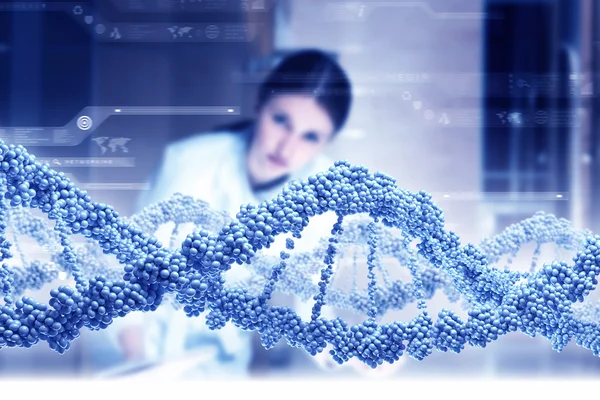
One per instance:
(541, 117)
(212, 31)
(84, 122)
(100, 29)
(429, 114)
(406, 95)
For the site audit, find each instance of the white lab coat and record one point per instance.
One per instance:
(212, 167)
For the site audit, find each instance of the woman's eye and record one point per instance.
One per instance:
(280, 119)
(311, 137)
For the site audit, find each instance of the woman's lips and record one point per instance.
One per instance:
(278, 161)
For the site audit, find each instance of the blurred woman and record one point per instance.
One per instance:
(302, 105)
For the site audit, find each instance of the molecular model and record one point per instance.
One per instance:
(121, 268)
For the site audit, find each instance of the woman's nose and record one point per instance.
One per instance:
(286, 146)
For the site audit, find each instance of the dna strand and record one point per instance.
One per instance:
(500, 301)
(395, 295)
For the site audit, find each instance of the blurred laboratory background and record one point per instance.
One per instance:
(489, 105)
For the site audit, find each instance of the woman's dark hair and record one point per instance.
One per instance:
(314, 73)
(311, 72)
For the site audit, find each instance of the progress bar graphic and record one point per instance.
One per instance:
(90, 118)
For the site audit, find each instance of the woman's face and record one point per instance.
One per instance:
(290, 131)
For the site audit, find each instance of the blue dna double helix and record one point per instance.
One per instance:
(143, 272)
